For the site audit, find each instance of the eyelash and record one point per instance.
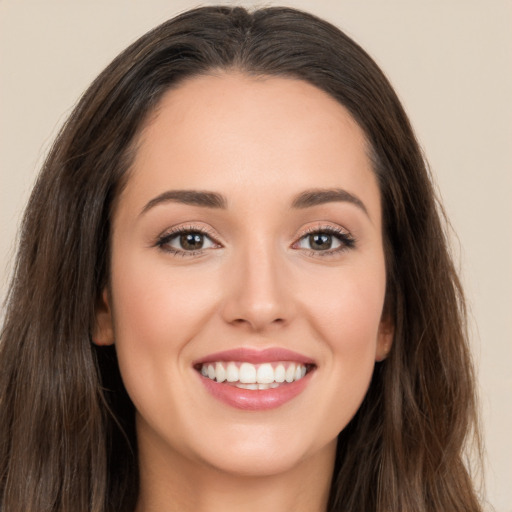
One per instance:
(346, 240)
(164, 240)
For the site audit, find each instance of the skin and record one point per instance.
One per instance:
(259, 283)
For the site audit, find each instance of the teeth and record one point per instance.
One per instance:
(272, 385)
(265, 374)
(249, 376)
(220, 373)
(247, 386)
(247, 373)
(280, 373)
(232, 372)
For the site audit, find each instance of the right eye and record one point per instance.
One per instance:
(186, 242)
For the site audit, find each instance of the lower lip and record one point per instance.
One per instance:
(257, 399)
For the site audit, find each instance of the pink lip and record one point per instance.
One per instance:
(255, 400)
(254, 356)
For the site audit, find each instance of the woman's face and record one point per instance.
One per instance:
(246, 251)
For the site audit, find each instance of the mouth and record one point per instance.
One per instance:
(245, 375)
(255, 380)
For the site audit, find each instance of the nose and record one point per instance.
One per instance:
(258, 294)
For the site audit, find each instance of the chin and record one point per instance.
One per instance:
(264, 451)
(256, 463)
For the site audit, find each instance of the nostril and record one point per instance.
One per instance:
(241, 321)
(248, 307)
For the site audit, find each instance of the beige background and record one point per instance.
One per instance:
(450, 62)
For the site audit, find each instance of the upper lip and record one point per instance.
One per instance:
(255, 356)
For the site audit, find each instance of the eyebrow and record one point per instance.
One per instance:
(306, 199)
(190, 197)
(318, 196)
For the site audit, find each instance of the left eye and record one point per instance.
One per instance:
(320, 241)
(187, 241)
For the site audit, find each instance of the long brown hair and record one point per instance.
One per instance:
(67, 437)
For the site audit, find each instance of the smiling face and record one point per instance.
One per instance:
(246, 253)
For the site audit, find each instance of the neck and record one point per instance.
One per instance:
(170, 482)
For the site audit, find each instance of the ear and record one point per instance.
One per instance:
(384, 339)
(103, 333)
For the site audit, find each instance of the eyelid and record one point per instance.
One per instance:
(164, 238)
(346, 239)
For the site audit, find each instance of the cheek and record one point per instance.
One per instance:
(346, 308)
(155, 305)
(345, 314)
(156, 312)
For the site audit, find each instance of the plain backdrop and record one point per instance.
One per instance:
(451, 64)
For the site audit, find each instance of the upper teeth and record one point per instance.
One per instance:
(247, 373)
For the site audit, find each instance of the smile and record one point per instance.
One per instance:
(255, 380)
(245, 375)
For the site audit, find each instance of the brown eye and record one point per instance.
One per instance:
(191, 241)
(328, 241)
(320, 241)
(186, 242)
(323, 241)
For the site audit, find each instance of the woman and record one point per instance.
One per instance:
(233, 288)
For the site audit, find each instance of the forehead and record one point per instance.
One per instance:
(233, 132)
(260, 106)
